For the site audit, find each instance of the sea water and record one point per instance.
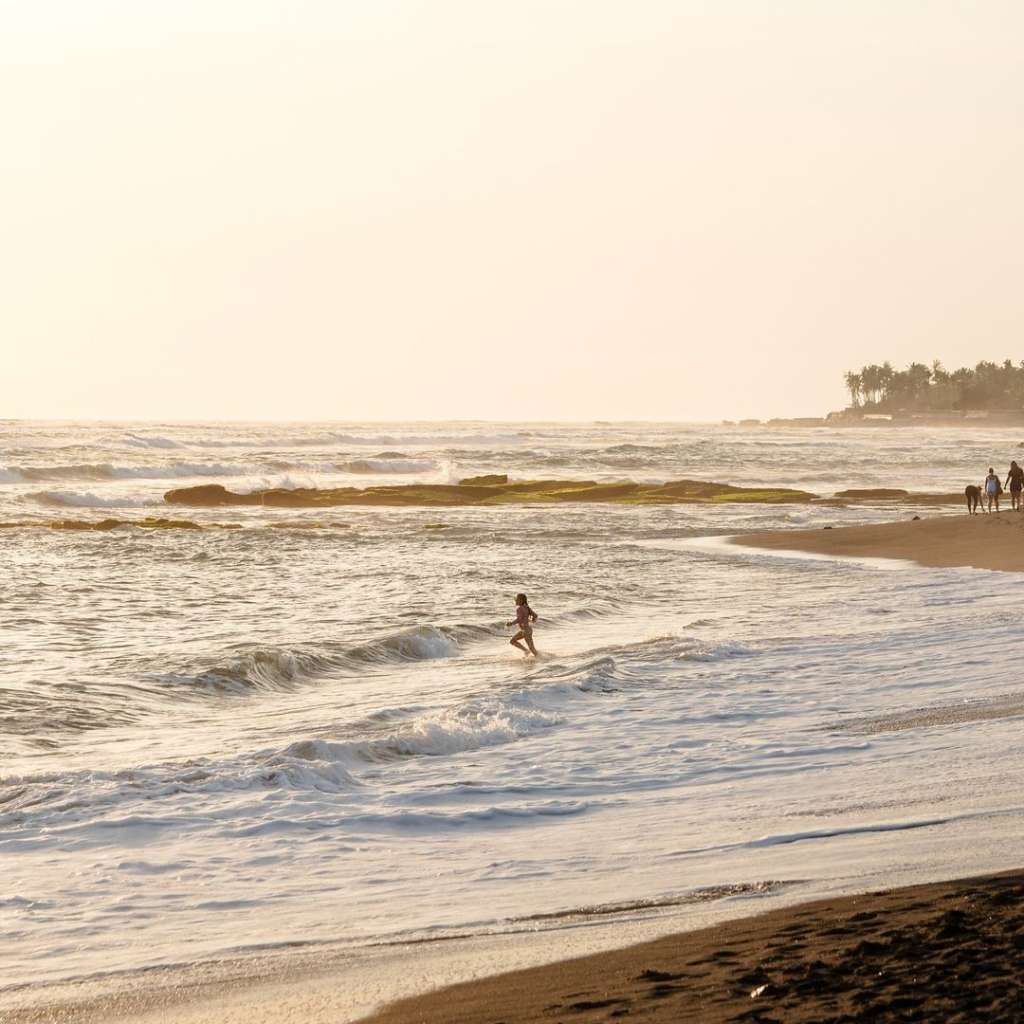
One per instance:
(311, 727)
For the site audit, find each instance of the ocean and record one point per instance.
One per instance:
(310, 728)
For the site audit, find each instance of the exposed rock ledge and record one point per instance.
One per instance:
(474, 492)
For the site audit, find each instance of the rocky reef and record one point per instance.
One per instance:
(495, 490)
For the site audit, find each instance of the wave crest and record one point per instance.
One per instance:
(87, 499)
(369, 467)
(106, 471)
(269, 668)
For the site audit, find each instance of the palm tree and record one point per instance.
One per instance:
(871, 382)
(853, 384)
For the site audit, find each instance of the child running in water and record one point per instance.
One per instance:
(525, 617)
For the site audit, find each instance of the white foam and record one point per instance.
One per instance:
(368, 467)
(88, 499)
(151, 441)
(113, 472)
(278, 481)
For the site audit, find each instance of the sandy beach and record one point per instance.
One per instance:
(950, 951)
(946, 541)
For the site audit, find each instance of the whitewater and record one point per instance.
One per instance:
(311, 729)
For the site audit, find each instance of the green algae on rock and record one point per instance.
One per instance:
(525, 492)
(487, 478)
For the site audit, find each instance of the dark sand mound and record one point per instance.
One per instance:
(873, 492)
(898, 496)
(950, 951)
(475, 492)
(983, 709)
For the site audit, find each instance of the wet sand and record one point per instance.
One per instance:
(982, 710)
(944, 541)
(950, 952)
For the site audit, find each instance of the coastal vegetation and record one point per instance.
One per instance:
(921, 388)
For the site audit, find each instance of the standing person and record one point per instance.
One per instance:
(993, 487)
(525, 617)
(1015, 481)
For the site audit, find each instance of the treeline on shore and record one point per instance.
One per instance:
(920, 388)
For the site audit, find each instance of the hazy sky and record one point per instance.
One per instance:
(501, 208)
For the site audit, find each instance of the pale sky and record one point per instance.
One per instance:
(501, 209)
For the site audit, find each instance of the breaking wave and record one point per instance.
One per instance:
(324, 439)
(108, 472)
(102, 472)
(471, 726)
(318, 764)
(270, 668)
(368, 467)
(151, 441)
(86, 499)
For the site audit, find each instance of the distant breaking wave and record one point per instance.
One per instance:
(152, 441)
(324, 439)
(389, 464)
(86, 499)
(107, 471)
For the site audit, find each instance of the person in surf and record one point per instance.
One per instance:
(993, 488)
(972, 492)
(525, 618)
(1015, 482)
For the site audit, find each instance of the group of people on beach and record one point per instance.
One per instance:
(993, 487)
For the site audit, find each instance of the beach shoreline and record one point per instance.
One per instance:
(940, 542)
(945, 950)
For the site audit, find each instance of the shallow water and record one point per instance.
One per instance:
(223, 739)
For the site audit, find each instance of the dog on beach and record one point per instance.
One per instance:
(973, 496)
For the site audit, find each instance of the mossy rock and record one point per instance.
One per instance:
(488, 479)
(523, 492)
